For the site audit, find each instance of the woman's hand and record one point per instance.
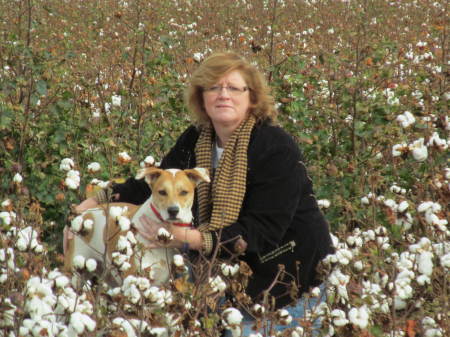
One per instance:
(148, 229)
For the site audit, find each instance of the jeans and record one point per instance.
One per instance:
(296, 311)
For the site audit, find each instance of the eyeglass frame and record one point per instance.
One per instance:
(231, 89)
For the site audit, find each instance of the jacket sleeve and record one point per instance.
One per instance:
(275, 184)
(136, 191)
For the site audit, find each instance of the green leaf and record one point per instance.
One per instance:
(41, 87)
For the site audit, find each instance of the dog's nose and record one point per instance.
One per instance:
(173, 211)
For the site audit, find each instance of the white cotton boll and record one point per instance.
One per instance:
(164, 235)
(447, 173)
(217, 284)
(229, 270)
(419, 150)
(71, 183)
(434, 332)
(118, 258)
(359, 265)
(344, 256)
(77, 224)
(158, 332)
(324, 203)
(402, 206)
(17, 178)
(425, 263)
(115, 211)
(391, 204)
(131, 238)
(423, 279)
(125, 266)
(232, 316)
(116, 100)
(88, 224)
(178, 260)
(76, 322)
(66, 164)
(124, 157)
(365, 201)
(124, 223)
(93, 167)
(315, 292)
(38, 249)
(62, 281)
(339, 318)
(91, 265)
(398, 149)
(445, 260)
(122, 243)
(88, 322)
(359, 316)
(197, 57)
(6, 218)
(149, 161)
(79, 261)
(284, 317)
(22, 244)
(424, 206)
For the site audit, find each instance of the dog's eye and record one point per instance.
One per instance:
(183, 193)
(162, 192)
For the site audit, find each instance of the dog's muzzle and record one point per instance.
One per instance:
(173, 212)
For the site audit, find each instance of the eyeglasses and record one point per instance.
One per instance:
(233, 91)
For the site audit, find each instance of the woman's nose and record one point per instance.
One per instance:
(223, 93)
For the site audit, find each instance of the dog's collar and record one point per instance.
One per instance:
(160, 218)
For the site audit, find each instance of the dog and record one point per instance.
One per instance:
(170, 202)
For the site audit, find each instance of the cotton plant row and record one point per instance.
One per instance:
(55, 306)
(400, 284)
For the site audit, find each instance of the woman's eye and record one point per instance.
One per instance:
(182, 193)
(162, 192)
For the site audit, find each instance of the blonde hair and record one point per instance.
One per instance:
(215, 67)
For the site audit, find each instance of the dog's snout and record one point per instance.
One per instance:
(173, 211)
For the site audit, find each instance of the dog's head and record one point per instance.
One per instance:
(173, 190)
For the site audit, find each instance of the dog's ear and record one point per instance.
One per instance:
(197, 175)
(149, 173)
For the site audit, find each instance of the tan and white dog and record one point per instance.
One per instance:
(100, 232)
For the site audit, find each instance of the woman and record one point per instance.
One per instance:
(261, 201)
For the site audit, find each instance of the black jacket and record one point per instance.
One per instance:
(279, 208)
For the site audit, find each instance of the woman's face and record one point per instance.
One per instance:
(227, 102)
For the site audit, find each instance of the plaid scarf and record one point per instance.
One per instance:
(221, 201)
